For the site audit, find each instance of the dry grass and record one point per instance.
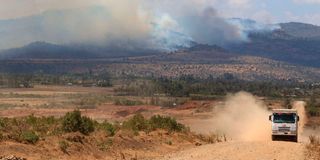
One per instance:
(313, 148)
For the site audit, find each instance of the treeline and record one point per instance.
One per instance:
(29, 80)
(188, 86)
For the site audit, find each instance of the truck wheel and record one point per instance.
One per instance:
(273, 138)
(295, 139)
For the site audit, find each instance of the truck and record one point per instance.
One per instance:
(284, 124)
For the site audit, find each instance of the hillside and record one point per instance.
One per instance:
(43, 50)
(301, 30)
(200, 61)
(291, 52)
(295, 43)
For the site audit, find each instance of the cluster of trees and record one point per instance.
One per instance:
(187, 86)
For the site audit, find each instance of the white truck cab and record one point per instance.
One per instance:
(284, 124)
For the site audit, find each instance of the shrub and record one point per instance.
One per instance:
(87, 125)
(63, 145)
(31, 120)
(137, 123)
(108, 128)
(74, 122)
(30, 137)
(166, 123)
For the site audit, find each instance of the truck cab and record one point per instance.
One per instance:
(284, 124)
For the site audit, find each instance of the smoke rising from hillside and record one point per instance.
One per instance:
(134, 24)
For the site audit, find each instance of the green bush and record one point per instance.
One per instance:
(166, 123)
(108, 128)
(137, 123)
(74, 122)
(87, 125)
(30, 137)
(32, 120)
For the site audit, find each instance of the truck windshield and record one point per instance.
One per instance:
(284, 118)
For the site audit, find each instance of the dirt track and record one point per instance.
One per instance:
(249, 129)
(242, 151)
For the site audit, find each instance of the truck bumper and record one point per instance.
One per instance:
(284, 134)
(289, 133)
(285, 137)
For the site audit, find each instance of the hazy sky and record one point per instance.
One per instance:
(261, 10)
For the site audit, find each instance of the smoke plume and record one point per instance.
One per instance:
(162, 25)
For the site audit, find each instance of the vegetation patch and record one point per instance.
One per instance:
(30, 137)
(74, 122)
(109, 129)
(139, 123)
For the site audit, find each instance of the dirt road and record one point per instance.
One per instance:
(242, 151)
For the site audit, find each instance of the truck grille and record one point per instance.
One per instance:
(284, 129)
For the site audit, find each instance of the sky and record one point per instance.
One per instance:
(275, 11)
(268, 11)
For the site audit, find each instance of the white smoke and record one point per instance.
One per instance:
(247, 26)
(162, 25)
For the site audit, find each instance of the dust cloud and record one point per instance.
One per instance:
(300, 107)
(243, 117)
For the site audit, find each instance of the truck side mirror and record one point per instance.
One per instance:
(270, 118)
(298, 118)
